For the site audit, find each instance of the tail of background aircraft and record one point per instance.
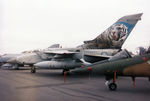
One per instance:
(115, 35)
(54, 46)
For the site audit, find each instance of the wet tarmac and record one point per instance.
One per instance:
(49, 85)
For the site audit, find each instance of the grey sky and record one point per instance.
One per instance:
(35, 24)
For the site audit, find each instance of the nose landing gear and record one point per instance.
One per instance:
(112, 86)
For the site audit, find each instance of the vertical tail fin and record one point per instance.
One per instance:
(115, 35)
(54, 46)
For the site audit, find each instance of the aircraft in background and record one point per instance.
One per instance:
(143, 50)
(11, 60)
(4, 60)
(101, 48)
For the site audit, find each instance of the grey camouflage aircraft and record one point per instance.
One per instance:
(14, 61)
(102, 47)
(4, 60)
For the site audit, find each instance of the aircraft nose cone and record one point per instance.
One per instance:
(42, 64)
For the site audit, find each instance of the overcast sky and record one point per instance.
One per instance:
(35, 24)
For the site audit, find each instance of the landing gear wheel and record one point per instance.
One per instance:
(16, 67)
(33, 70)
(112, 86)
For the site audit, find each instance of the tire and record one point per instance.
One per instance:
(16, 67)
(112, 86)
(33, 70)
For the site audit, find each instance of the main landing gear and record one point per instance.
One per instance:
(112, 86)
(16, 67)
(33, 69)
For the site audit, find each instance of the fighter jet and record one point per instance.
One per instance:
(31, 57)
(101, 48)
(143, 50)
(138, 66)
(4, 60)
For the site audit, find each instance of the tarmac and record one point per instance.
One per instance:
(50, 85)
